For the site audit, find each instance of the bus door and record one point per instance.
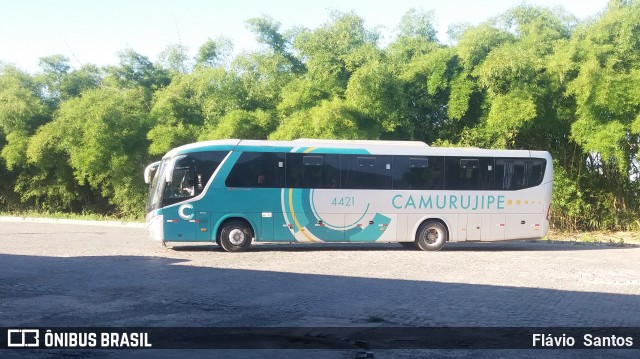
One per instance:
(179, 219)
(186, 223)
(184, 219)
(179, 195)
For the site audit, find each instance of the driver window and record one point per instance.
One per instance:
(182, 183)
(191, 174)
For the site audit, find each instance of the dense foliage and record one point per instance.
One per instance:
(78, 139)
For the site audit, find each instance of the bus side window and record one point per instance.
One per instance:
(434, 173)
(418, 173)
(257, 169)
(366, 172)
(205, 164)
(469, 173)
(312, 170)
(537, 171)
(518, 173)
(410, 172)
(294, 171)
(331, 171)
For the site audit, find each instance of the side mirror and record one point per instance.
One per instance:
(148, 172)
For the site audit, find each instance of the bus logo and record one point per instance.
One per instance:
(23, 338)
(186, 211)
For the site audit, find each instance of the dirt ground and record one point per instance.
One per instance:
(88, 274)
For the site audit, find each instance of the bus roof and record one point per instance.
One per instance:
(360, 142)
(345, 146)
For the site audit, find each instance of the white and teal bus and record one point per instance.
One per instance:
(235, 192)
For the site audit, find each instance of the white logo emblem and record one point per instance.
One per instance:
(186, 211)
(23, 338)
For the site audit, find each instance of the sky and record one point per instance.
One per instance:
(94, 31)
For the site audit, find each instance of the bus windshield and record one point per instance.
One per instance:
(156, 187)
(188, 177)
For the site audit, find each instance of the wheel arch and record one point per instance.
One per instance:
(234, 217)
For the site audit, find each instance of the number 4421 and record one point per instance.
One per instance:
(343, 201)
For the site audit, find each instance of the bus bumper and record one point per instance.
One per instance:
(155, 226)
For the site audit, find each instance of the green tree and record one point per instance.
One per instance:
(137, 70)
(261, 77)
(532, 78)
(59, 82)
(375, 91)
(415, 23)
(45, 183)
(332, 119)
(191, 105)
(48, 182)
(603, 81)
(22, 110)
(178, 113)
(336, 49)
(214, 53)
(302, 93)
(268, 33)
(242, 124)
(509, 61)
(175, 58)
(103, 135)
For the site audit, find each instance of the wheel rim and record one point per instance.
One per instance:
(432, 236)
(236, 237)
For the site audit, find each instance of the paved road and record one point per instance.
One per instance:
(87, 275)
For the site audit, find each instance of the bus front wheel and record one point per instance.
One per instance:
(235, 236)
(431, 236)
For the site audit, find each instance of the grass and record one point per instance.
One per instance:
(80, 216)
(603, 237)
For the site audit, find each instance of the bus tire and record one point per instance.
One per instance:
(432, 236)
(235, 236)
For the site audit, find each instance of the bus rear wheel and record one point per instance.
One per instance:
(235, 236)
(431, 236)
